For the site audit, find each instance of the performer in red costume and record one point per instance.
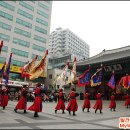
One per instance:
(5, 97)
(60, 104)
(72, 106)
(22, 104)
(113, 102)
(86, 101)
(37, 105)
(98, 104)
(0, 96)
(127, 100)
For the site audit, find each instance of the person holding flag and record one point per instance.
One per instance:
(5, 91)
(22, 104)
(4, 97)
(60, 104)
(98, 104)
(127, 100)
(113, 102)
(37, 105)
(72, 106)
(0, 96)
(86, 101)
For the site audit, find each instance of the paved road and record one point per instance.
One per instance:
(49, 120)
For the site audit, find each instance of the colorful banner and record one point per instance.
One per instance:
(96, 79)
(28, 67)
(111, 82)
(125, 82)
(84, 79)
(73, 72)
(7, 71)
(62, 76)
(38, 70)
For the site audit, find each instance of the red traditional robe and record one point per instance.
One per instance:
(60, 104)
(5, 97)
(86, 101)
(0, 96)
(37, 105)
(98, 104)
(22, 104)
(127, 100)
(72, 106)
(113, 102)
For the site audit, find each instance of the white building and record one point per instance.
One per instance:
(24, 28)
(64, 41)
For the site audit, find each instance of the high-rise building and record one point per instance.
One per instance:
(24, 28)
(64, 41)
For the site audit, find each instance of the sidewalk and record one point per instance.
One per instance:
(49, 120)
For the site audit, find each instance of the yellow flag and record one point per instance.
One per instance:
(38, 70)
(73, 72)
(62, 76)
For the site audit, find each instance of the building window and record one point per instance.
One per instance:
(41, 30)
(21, 22)
(50, 76)
(5, 15)
(7, 5)
(43, 6)
(19, 52)
(42, 13)
(24, 4)
(22, 32)
(39, 57)
(33, 1)
(21, 42)
(41, 21)
(5, 26)
(5, 48)
(48, 2)
(4, 37)
(25, 14)
(2, 59)
(38, 48)
(40, 39)
(17, 63)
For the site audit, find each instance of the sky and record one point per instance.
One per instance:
(101, 24)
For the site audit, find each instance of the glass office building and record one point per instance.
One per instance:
(24, 28)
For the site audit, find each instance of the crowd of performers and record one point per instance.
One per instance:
(72, 106)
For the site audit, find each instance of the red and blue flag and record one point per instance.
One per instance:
(84, 79)
(2, 70)
(111, 82)
(96, 79)
(7, 71)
